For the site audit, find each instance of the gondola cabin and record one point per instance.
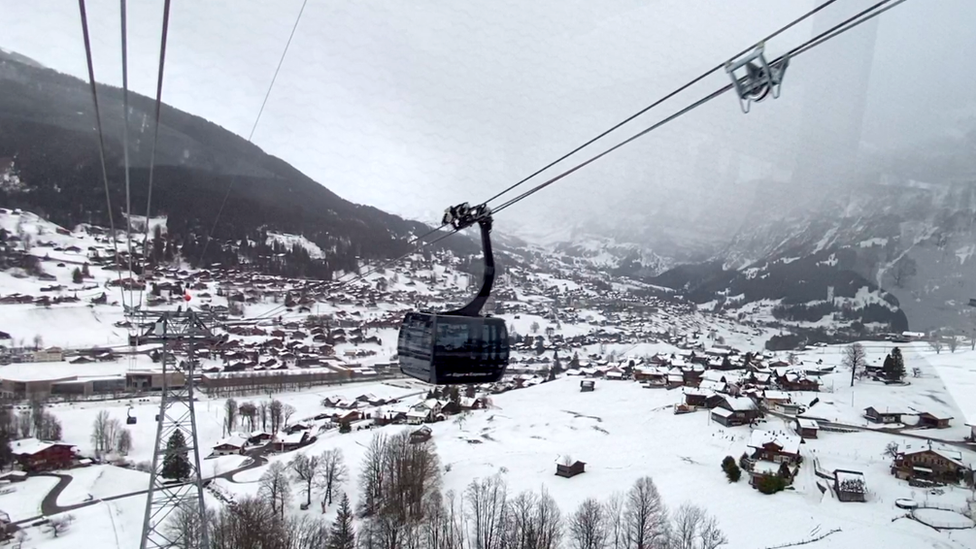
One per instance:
(460, 346)
(446, 350)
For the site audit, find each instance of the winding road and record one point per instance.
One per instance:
(49, 505)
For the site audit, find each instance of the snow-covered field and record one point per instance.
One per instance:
(621, 431)
(23, 500)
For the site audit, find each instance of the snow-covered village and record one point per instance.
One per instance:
(611, 384)
(682, 274)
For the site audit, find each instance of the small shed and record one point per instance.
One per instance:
(934, 420)
(587, 385)
(849, 485)
(807, 428)
(421, 435)
(570, 471)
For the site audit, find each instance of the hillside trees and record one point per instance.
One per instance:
(105, 433)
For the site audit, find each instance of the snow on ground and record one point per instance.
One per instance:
(290, 241)
(22, 500)
(623, 432)
(101, 481)
(77, 418)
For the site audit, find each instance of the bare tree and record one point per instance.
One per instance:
(935, 342)
(286, 412)
(645, 516)
(59, 524)
(263, 414)
(124, 444)
(305, 532)
(230, 415)
(333, 473)
(275, 487)
(249, 411)
(855, 358)
(548, 520)
(24, 424)
(952, 342)
(50, 427)
(38, 342)
(184, 527)
(521, 531)
(588, 526)
(99, 432)
(307, 470)
(486, 500)
(276, 411)
(616, 528)
(249, 523)
(891, 450)
(693, 528)
(37, 414)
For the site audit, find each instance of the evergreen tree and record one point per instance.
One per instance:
(556, 367)
(574, 363)
(897, 365)
(176, 464)
(76, 276)
(343, 535)
(887, 367)
(85, 272)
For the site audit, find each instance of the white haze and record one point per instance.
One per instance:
(412, 106)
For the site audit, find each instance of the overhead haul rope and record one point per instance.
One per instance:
(155, 138)
(254, 127)
(101, 142)
(834, 31)
(125, 145)
(846, 25)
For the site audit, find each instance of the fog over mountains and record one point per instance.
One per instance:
(412, 108)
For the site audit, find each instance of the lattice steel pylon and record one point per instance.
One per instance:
(180, 332)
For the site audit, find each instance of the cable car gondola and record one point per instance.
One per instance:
(459, 346)
(129, 418)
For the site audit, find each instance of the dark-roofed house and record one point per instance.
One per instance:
(569, 471)
(421, 435)
(40, 455)
(935, 421)
(873, 415)
(731, 411)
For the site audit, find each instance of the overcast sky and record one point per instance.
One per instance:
(411, 106)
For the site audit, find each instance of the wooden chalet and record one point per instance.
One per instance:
(731, 411)
(570, 471)
(873, 415)
(774, 447)
(230, 446)
(929, 464)
(33, 455)
(934, 421)
(293, 441)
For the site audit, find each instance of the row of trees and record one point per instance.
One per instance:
(270, 415)
(401, 506)
(109, 436)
